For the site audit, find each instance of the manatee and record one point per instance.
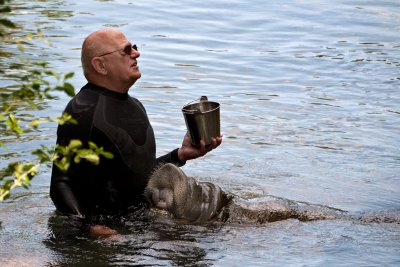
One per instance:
(171, 190)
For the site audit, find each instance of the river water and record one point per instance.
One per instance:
(310, 111)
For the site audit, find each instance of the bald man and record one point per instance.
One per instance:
(108, 116)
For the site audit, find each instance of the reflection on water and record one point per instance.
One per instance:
(143, 240)
(309, 112)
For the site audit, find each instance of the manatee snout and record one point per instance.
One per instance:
(170, 189)
(162, 199)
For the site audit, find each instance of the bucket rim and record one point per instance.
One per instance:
(192, 111)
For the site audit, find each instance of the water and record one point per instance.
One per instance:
(309, 94)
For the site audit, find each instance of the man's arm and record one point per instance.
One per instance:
(62, 194)
(171, 157)
(188, 151)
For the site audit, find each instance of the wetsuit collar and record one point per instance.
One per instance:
(105, 91)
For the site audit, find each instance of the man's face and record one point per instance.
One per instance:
(121, 61)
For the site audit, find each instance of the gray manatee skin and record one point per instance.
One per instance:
(170, 189)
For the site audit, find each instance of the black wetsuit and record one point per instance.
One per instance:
(118, 123)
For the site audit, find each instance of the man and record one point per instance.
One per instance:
(112, 119)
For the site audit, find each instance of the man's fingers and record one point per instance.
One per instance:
(203, 149)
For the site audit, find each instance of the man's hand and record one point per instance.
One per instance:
(102, 230)
(188, 151)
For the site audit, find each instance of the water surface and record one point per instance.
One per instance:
(309, 94)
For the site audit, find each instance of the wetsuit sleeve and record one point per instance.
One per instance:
(62, 194)
(65, 188)
(171, 157)
(62, 189)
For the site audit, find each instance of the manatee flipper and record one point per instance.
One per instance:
(170, 189)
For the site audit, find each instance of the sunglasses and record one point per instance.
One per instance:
(127, 49)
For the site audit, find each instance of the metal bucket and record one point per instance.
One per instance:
(202, 120)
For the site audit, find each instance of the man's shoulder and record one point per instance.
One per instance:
(137, 102)
(84, 100)
(85, 96)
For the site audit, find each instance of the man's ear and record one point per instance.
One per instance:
(99, 65)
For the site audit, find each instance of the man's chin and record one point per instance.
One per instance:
(136, 77)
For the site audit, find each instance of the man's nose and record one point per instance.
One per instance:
(135, 53)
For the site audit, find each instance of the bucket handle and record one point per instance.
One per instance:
(200, 99)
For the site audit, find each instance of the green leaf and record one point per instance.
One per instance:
(13, 124)
(5, 9)
(69, 89)
(77, 159)
(60, 150)
(35, 123)
(107, 155)
(65, 118)
(93, 158)
(51, 73)
(29, 37)
(92, 145)
(7, 23)
(63, 166)
(21, 48)
(43, 155)
(69, 75)
(42, 64)
(74, 144)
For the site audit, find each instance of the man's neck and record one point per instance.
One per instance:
(111, 86)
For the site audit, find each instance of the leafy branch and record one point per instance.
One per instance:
(19, 174)
(73, 152)
(16, 174)
(33, 83)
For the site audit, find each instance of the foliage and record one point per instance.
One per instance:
(33, 83)
(5, 23)
(22, 174)
(64, 155)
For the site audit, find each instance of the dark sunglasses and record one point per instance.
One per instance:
(127, 49)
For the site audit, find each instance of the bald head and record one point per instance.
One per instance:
(107, 63)
(97, 43)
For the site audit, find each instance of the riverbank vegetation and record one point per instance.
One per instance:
(25, 86)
